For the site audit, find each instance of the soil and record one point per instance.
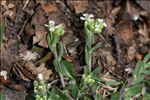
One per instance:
(125, 40)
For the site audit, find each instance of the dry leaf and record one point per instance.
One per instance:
(78, 6)
(3, 3)
(131, 53)
(125, 30)
(106, 77)
(4, 74)
(144, 31)
(43, 43)
(48, 8)
(44, 71)
(109, 58)
(39, 34)
(28, 55)
(11, 5)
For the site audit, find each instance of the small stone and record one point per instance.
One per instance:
(144, 50)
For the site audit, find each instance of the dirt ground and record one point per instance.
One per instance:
(24, 49)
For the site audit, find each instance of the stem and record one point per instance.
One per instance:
(90, 61)
(60, 75)
(89, 43)
(55, 53)
(62, 80)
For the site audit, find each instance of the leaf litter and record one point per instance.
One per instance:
(127, 35)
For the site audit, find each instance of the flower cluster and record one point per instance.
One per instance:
(92, 25)
(40, 88)
(88, 79)
(55, 30)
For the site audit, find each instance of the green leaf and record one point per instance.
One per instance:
(61, 51)
(133, 90)
(138, 70)
(112, 83)
(54, 42)
(86, 71)
(126, 98)
(49, 39)
(86, 55)
(67, 69)
(115, 96)
(96, 71)
(75, 91)
(146, 96)
(98, 45)
(1, 96)
(146, 71)
(146, 58)
(98, 97)
(57, 94)
(138, 79)
(147, 65)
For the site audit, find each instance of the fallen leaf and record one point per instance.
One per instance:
(3, 3)
(144, 31)
(4, 74)
(43, 42)
(131, 53)
(11, 5)
(39, 17)
(138, 56)
(109, 58)
(28, 55)
(29, 30)
(44, 71)
(78, 6)
(125, 30)
(106, 77)
(48, 8)
(39, 34)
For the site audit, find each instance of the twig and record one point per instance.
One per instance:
(27, 1)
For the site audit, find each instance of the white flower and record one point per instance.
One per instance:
(46, 25)
(136, 17)
(82, 18)
(58, 26)
(102, 22)
(105, 24)
(86, 15)
(51, 22)
(40, 77)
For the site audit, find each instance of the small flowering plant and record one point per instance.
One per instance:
(91, 26)
(40, 88)
(62, 67)
(54, 34)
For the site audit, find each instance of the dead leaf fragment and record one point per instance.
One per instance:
(43, 43)
(78, 6)
(44, 71)
(39, 34)
(125, 30)
(48, 8)
(143, 30)
(28, 55)
(131, 53)
(11, 5)
(4, 74)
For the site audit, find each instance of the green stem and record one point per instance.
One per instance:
(89, 43)
(62, 80)
(58, 66)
